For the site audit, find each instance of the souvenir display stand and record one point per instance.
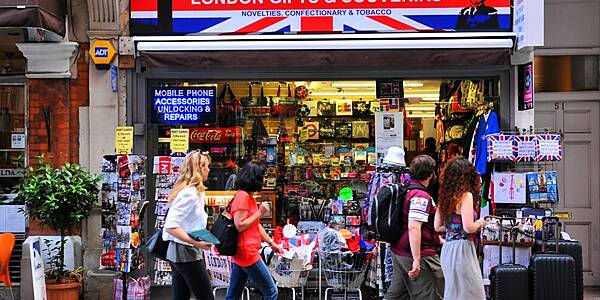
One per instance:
(166, 172)
(523, 185)
(123, 203)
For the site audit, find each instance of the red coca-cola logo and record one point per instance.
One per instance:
(215, 135)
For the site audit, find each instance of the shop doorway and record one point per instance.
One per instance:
(578, 174)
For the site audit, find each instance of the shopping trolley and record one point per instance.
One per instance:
(291, 273)
(219, 271)
(344, 270)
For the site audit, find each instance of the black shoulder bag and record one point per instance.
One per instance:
(224, 230)
(156, 246)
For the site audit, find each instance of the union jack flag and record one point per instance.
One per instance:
(215, 17)
(501, 147)
(525, 145)
(548, 147)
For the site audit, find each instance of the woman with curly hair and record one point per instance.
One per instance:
(456, 215)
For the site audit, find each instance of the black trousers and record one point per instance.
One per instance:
(190, 276)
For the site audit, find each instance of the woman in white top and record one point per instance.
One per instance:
(186, 214)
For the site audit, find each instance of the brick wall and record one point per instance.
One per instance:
(62, 97)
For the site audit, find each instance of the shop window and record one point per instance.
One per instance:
(12, 136)
(566, 73)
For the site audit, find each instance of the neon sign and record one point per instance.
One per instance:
(192, 105)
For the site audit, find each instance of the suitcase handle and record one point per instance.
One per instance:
(551, 221)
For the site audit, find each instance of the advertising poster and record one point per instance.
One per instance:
(526, 86)
(37, 269)
(124, 140)
(180, 140)
(389, 131)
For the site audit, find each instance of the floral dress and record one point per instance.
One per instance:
(462, 274)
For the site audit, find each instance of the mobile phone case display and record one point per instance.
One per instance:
(123, 191)
(166, 170)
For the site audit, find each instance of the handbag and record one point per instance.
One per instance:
(230, 113)
(156, 246)
(283, 106)
(137, 289)
(251, 101)
(455, 132)
(224, 230)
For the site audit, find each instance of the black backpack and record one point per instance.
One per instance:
(386, 212)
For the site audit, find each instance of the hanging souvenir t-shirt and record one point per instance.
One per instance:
(488, 124)
(326, 130)
(360, 130)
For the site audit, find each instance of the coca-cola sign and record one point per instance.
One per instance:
(221, 135)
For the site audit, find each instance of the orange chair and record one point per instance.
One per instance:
(7, 242)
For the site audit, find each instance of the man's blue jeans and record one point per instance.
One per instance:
(260, 276)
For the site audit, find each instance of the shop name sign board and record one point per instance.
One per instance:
(528, 21)
(195, 105)
(222, 135)
(214, 17)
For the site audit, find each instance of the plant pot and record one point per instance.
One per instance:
(63, 291)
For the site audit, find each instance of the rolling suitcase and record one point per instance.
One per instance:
(509, 280)
(552, 273)
(572, 248)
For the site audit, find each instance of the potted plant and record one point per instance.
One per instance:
(60, 198)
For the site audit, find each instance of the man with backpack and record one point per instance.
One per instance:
(417, 270)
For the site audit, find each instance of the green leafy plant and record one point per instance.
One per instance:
(60, 198)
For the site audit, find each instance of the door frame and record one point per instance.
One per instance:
(574, 97)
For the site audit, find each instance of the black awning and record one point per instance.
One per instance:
(403, 58)
(46, 14)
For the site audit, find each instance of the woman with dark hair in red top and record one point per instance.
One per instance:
(247, 263)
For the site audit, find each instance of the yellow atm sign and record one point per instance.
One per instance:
(102, 52)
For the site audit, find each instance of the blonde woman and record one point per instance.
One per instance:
(186, 214)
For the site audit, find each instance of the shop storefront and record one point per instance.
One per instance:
(318, 94)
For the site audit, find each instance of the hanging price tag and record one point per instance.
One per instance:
(124, 140)
(180, 140)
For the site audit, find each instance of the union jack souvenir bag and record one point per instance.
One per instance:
(525, 145)
(500, 147)
(548, 147)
